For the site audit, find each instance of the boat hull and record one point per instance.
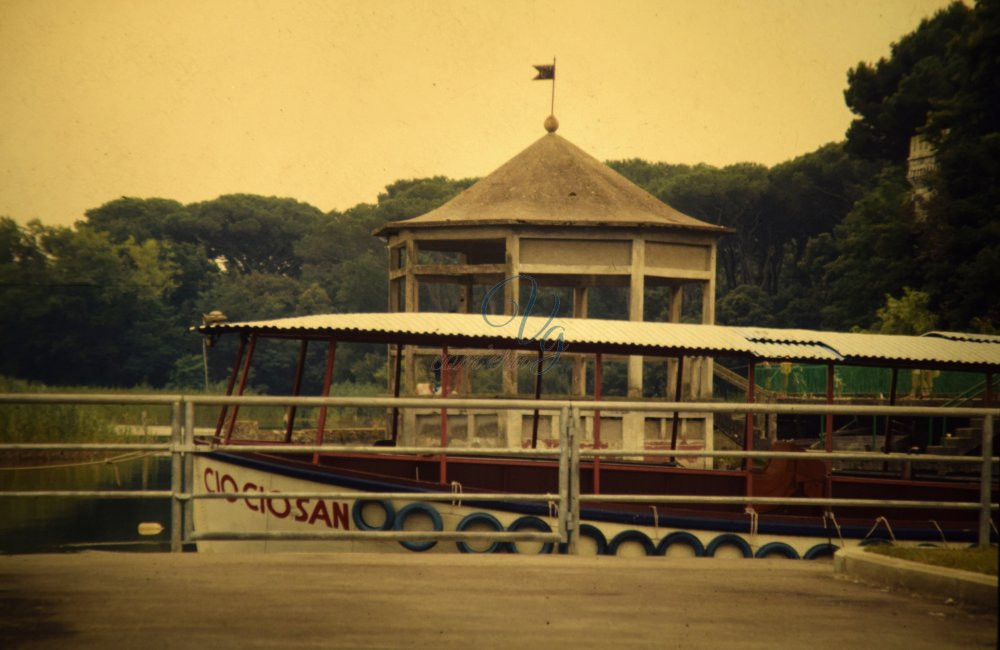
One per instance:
(613, 529)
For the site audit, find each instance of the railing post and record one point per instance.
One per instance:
(563, 474)
(176, 479)
(985, 481)
(188, 485)
(574, 482)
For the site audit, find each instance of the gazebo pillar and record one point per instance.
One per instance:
(580, 294)
(636, 294)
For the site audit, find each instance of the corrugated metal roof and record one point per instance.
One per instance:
(614, 336)
(964, 336)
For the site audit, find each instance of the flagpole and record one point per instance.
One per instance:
(552, 107)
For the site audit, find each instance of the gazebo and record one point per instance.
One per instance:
(565, 219)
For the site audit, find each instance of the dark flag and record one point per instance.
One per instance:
(545, 72)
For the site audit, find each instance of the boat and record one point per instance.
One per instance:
(654, 447)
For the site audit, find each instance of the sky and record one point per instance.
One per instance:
(329, 101)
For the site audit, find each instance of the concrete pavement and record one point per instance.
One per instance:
(352, 600)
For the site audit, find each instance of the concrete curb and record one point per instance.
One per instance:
(966, 587)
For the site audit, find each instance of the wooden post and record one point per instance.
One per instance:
(677, 398)
(538, 395)
(828, 491)
(598, 372)
(395, 392)
(748, 425)
(445, 381)
(237, 363)
(887, 443)
(636, 296)
(300, 366)
(243, 384)
(331, 354)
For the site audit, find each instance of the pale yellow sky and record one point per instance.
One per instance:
(329, 101)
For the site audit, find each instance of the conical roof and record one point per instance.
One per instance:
(554, 183)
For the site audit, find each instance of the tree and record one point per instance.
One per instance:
(909, 314)
(249, 233)
(893, 97)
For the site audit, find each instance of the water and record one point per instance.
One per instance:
(47, 525)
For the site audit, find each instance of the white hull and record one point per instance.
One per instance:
(243, 513)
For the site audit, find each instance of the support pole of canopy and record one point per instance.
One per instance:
(251, 346)
(237, 362)
(828, 492)
(677, 398)
(893, 388)
(748, 424)
(538, 396)
(445, 381)
(300, 366)
(988, 395)
(331, 355)
(985, 481)
(395, 392)
(598, 378)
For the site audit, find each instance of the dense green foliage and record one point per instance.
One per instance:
(833, 239)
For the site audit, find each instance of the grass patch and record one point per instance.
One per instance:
(980, 560)
(72, 423)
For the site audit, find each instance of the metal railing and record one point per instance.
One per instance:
(182, 448)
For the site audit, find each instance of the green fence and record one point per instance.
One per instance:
(805, 380)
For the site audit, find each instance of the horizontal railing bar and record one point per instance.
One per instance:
(489, 404)
(86, 446)
(770, 407)
(106, 494)
(368, 496)
(380, 535)
(493, 452)
(781, 501)
(798, 455)
(361, 449)
(473, 403)
(88, 398)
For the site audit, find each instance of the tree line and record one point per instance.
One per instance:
(834, 239)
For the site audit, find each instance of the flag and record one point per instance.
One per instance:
(545, 72)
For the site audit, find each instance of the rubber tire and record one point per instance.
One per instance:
(479, 517)
(728, 538)
(405, 512)
(825, 549)
(780, 548)
(631, 536)
(681, 537)
(529, 521)
(359, 519)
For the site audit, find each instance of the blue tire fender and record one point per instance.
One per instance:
(529, 521)
(358, 515)
(479, 518)
(426, 509)
(631, 536)
(681, 537)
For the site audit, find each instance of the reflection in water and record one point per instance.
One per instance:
(45, 524)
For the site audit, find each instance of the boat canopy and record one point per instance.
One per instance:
(953, 350)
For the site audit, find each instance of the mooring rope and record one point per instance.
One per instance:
(110, 460)
(836, 526)
(885, 521)
(754, 524)
(940, 532)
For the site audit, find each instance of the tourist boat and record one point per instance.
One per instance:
(633, 426)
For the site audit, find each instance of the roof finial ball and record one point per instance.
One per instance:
(551, 124)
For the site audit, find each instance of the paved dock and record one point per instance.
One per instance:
(120, 600)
